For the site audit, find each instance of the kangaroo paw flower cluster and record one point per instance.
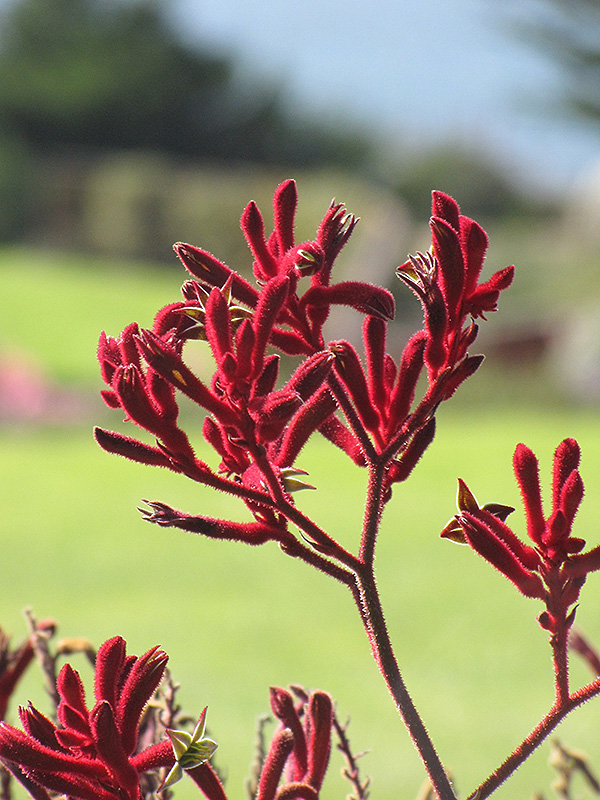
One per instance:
(92, 754)
(552, 567)
(258, 425)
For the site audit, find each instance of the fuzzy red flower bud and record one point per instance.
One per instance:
(309, 417)
(373, 300)
(272, 770)
(463, 370)
(412, 453)
(446, 208)
(209, 782)
(374, 337)
(218, 325)
(320, 714)
(447, 251)
(498, 554)
(350, 370)
(566, 459)
(285, 201)
(207, 268)
(132, 449)
(403, 392)
(579, 565)
(168, 363)
(249, 532)
(474, 243)
(571, 496)
(282, 705)
(341, 437)
(252, 225)
(275, 413)
(527, 473)
(271, 301)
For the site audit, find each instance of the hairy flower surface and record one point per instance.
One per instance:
(552, 567)
(91, 754)
(259, 425)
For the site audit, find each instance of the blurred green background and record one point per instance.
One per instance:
(118, 138)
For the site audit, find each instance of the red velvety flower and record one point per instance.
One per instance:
(446, 281)
(552, 567)
(91, 754)
(257, 426)
(300, 749)
(249, 417)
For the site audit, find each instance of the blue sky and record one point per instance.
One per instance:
(419, 71)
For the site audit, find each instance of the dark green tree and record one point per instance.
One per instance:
(110, 74)
(567, 31)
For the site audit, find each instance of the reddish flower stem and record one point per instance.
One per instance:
(383, 653)
(556, 714)
(373, 510)
(351, 415)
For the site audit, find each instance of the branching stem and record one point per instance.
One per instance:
(556, 714)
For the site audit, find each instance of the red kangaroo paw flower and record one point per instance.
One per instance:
(270, 304)
(253, 227)
(334, 231)
(579, 565)
(110, 661)
(320, 717)
(446, 208)
(566, 459)
(373, 300)
(485, 296)
(38, 726)
(72, 711)
(403, 393)
(285, 201)
(108, 742)
(248, 532)
(528, 556)
(309, 418)
(207, 779)
(463, 370)
(244, 347)
(341, 437)
(474, 243)
(132, 449)
(275, 413)
(168, 363)
(348, 366)
(498, 554)
(218, 325)
(571, 496)
(140, 684)
(448, 253)
(272, 770)
(311, 375)
(130, 388)
(374, 331)
(282, 705)
(527, 473)
(412, 453)
(267, 379)
(210, 270)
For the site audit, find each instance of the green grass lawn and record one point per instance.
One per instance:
(236, 620)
